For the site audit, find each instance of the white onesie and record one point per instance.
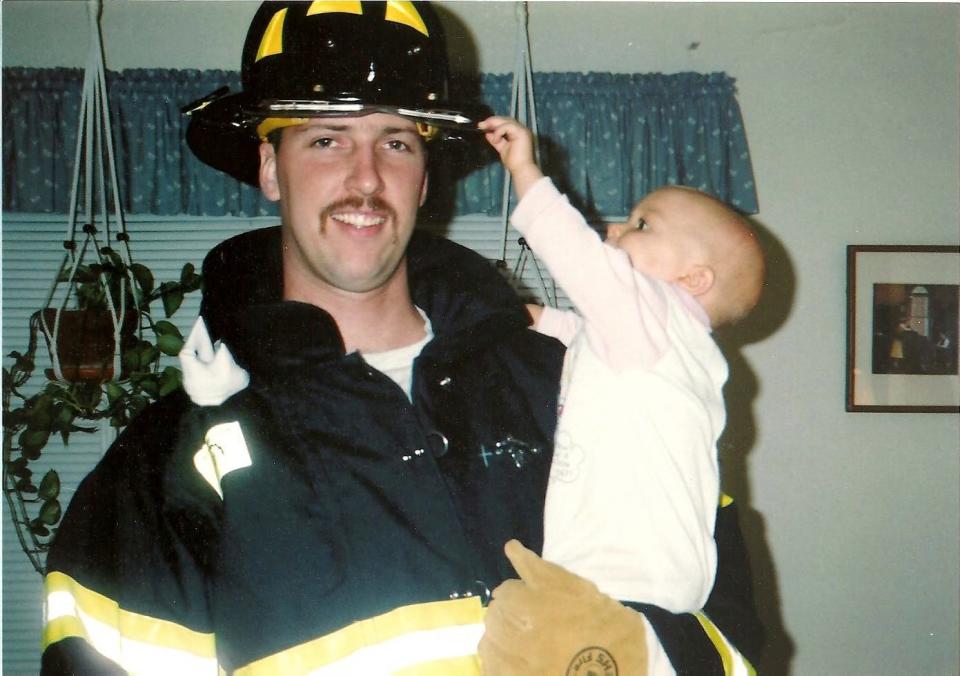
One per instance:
(634, 486)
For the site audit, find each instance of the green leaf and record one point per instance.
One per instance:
(49, 486)
(32, 440)
(16, 418)
(88, 395)
(65, 416)
(172, 299)
(137, 403)
(86, 273)
(147, 354)
(114, 392)
(170, 344)
(139, 357)
(170, 380)
(143, 276)
(19, 469)
(163, 327)
(131, 360)
(31, 454)
(50, 512)
(114, 258)
(24, 486)
(151, 386)
(41, 410)
(187, 273)
(37, 528)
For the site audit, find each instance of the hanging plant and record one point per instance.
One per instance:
(94, 391)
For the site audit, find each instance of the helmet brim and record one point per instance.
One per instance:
(222, 129)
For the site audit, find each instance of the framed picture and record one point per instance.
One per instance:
(903, 320)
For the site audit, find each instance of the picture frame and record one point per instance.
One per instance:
(903, 304)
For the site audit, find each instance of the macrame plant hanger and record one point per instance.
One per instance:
(94, 164)
(523, 109)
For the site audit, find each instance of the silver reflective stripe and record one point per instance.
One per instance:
(138, 643)
(410, 650)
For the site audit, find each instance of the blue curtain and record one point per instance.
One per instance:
(607, 139)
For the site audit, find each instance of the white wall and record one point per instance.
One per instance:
(852, 115)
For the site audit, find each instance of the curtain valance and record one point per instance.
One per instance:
(608, 139)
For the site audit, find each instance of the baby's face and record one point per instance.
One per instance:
(658, 237)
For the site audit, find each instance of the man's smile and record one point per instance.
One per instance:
(358, 220)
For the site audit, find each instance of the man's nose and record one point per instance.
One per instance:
(364, 177)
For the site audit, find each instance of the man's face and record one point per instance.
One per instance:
(349, 189)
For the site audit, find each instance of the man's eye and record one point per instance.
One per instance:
(395, 144)
(322, 142)
(641, 224)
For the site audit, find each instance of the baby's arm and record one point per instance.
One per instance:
(624, 320)
(560, 324)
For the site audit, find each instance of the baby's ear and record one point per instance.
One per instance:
(698, 279)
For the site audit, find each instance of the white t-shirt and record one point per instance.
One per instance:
(398, 363)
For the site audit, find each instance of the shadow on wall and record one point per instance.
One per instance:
(740, 436)
(454, 158)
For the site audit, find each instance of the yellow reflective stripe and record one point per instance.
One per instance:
(68, 626)
(718, 642)
(734, 664)
(272, 41)
(403, 11)
(725, 500)
(75, 611)
(450, 628)
(456, 666)
(330, 6)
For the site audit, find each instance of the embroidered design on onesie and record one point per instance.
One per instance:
(568, 458)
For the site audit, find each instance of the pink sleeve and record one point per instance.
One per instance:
(560, 324)
(624, 314)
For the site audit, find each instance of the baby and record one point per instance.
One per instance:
(634, 485)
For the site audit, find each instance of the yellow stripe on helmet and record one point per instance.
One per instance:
(272, 41)
(333, 6)
(404, 12)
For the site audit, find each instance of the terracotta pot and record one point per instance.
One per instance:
(85, 343)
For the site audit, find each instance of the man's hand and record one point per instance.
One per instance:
(514, 143)
(551, 622)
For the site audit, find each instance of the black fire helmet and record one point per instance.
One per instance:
(328, 58)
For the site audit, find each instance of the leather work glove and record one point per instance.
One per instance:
(551, 622)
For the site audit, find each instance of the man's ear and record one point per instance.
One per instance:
(423, 188)
(698, 279)
(268, 172)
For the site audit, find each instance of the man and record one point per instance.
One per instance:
(337, 496)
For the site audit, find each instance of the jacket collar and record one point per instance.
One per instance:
(467, 301)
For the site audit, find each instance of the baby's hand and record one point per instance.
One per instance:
(510, 139)
(514, 143)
